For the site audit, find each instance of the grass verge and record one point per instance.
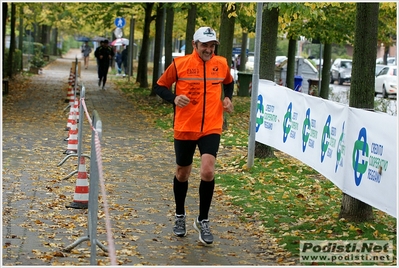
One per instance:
(291, 200)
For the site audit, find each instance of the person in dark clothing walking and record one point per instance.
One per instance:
(104, 54)
(118, 60)
(96, 53)
(86, 50)
(124, 60)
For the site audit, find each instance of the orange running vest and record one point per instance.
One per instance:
(202, 83)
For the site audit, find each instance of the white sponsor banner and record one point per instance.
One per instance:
(354, 148)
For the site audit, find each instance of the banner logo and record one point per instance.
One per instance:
(360, 155)
(259, 111)
(287, 122)
(306, 130)
(325, 139)
(340, 149)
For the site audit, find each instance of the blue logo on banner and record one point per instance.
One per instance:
(306, 130)
(259, 120)
(324, 141)
(287, 121)
(340, 148)
(360, 148)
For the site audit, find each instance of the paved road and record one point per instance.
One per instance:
(138, 169)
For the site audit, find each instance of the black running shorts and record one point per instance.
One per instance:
(185, 149)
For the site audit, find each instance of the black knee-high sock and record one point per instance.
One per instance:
(180, 191)
(205, 194)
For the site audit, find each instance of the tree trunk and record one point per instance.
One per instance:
(226, 35)
(170, 14)
(44, 37)
(5, 7)
(268, 47)
(291, 63)
(12, 42)
(364, 56)
(362, 89)
(267, 67)
(21, 35)
(35, 32)
(355, 210)
(142, 69)
(55, 39)
(243, 54)
(386, 53)
(325, 72)
(159, 33)
(190, 28)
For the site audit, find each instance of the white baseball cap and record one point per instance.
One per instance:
(205, 34)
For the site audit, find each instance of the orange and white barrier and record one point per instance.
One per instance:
(71, 79)
(70, 95)
(71, 117)
(81, 195)
(72, 147)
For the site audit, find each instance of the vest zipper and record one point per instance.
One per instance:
(203, 108)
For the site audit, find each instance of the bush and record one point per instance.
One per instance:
(16, 62)
(37, 60)
(32, 47)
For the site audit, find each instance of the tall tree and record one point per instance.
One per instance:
(190, 27)
(387, 30)
(226, 35)
(325, 71)
(327, 22)
(226, 32)
(268, 45)
(170, 14)
(362, 89)
(142, 69)
(12, 42)
(246, 17)
(21, 34)
(268, 48)
(158, 48)
(289, 82)
(5, 17)
(328, 26)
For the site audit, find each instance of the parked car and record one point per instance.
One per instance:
(249, 65)
(386, 81)
(280, 59)
(341, 71)
(390, 61)
(174, 55)
(378, 68)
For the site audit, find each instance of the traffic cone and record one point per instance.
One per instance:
(72, 147)
(76, 109)
(81, 195)
(71, 118)
(71, 79)
(70, 95)
(77, 92)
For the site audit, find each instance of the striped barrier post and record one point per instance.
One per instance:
(76, 151)
(93, 195)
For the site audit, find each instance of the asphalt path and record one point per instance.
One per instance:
(138, 167)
